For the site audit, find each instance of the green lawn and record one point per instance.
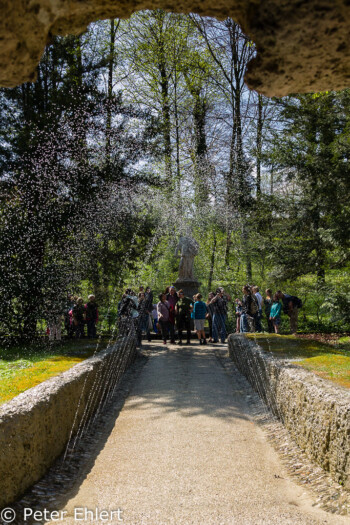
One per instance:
(22, 367)
(331, 362)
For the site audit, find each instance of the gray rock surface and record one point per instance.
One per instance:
(302, 46)
(315, 411)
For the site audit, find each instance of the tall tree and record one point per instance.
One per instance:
(54, 179)
(231, 51)
(313, 154)
(152, 37)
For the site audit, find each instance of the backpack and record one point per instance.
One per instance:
(254, 306)
(297, 302)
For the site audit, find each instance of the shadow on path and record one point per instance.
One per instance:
(187, 380)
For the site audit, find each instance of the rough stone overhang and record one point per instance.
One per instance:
(303, 45)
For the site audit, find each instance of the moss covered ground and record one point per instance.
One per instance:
(23, 367)
(330, 361)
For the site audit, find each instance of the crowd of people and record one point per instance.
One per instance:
(175, 313)
(249, 310)
(77, 315)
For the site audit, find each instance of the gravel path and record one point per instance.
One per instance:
(185, 451)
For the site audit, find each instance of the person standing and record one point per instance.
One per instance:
(134, 309)
(91, 315)
(154, 315)
(238, 312)
(78, 312)
(142, 319)
(183, 309)
(219, 303)
(149, 308)
(210, 312)
(54, 318)
(55, 328)
(149, 297)
(275, 313)
(267, 304)
(126, 312)
(291, 305)
(249, 309)
(172, 299)
(68, 322)
(257, 317)
(200, 312)
(163, 312)
(135, 315)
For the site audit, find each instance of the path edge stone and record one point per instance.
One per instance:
(315, 411)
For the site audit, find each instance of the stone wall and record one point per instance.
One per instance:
(35, 426)
(315, 411)
(301, 46)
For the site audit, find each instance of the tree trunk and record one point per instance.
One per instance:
(212, 262)
(110, 92)
(32, 298)
(177, 130)
(29, 326)
(320, 264)
(54, 73)
(271, 181)
(259, 146)
(228, 247)
(246, 251)
(164, 88)
(200, 157)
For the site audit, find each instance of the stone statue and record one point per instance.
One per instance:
(188, 249)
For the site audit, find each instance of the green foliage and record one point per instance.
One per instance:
(312, 153)
(61, 216)
(337, 305)
(141, 130)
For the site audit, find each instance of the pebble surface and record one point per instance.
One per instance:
(185, 450)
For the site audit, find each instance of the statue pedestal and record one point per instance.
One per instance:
(190, 287)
